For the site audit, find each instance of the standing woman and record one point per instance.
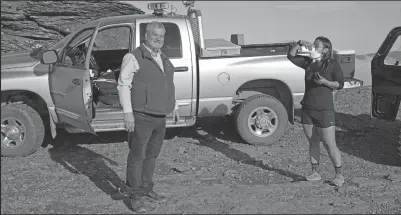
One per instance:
(322, 76)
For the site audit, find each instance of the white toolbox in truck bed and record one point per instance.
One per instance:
(220, 47)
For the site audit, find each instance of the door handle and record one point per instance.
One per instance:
(181, 69)
(76, 81)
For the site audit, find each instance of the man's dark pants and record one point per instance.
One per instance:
(145, 144)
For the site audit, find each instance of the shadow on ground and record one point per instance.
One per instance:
(219, 127)
(77, 159)
(223, 129)
(370, 139)
(66, 151)
(80, 160)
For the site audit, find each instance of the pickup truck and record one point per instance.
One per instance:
(72, 84)
(386, 79)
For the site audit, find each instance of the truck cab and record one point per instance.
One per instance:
(85, 96)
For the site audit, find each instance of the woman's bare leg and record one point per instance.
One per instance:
(328, 137)
(314, 150)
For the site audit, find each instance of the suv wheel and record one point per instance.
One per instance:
(261, 120)
(22, 130)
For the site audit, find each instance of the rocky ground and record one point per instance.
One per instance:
(208, 169)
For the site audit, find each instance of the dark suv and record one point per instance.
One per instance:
(386, 78)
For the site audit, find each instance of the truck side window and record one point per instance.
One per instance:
(172, 40)
(75, 52)
(114, 38)
(393, 58)
(110, 46)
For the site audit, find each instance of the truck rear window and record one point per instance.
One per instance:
(172, 40)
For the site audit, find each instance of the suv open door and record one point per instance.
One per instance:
(70, 84)
(386, 77)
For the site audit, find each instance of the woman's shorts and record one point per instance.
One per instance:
(321, 119)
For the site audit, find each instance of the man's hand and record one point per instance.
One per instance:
(129, 121)
(176, 114)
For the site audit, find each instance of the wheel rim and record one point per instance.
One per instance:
(262, 122)
(13, 132)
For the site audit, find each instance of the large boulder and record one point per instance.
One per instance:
(29, 24)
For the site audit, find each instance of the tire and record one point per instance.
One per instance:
(262, 102)
(28, 123)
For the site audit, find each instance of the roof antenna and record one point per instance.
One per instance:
(172, 13)
(189, 4)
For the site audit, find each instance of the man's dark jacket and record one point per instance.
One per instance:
(153, 90)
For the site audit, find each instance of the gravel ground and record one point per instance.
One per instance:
(208, 169)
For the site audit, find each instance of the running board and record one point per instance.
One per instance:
(108, 125)
(118, 124)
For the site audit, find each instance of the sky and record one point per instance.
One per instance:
(350, 25)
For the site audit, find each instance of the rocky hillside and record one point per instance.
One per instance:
(28, 24)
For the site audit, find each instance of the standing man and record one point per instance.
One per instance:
(147, 95)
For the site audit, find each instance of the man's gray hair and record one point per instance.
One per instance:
(154, 24)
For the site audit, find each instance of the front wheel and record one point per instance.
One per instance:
(261, 120)
(22, 130)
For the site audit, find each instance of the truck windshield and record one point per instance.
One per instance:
(37, 52)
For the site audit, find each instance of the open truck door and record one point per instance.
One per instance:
(70, 84)
(386, 77)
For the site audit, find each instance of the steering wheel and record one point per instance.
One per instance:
(92, 61)
(78, 54)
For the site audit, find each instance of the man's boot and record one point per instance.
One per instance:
(155, 196)
(138, 204)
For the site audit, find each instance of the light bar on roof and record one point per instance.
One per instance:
(158, 6)
(189, 3)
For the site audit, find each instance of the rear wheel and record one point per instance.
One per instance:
(261, 120)
(22, 130)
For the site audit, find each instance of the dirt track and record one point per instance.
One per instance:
(207, 169)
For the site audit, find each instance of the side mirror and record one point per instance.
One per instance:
(49, 57)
